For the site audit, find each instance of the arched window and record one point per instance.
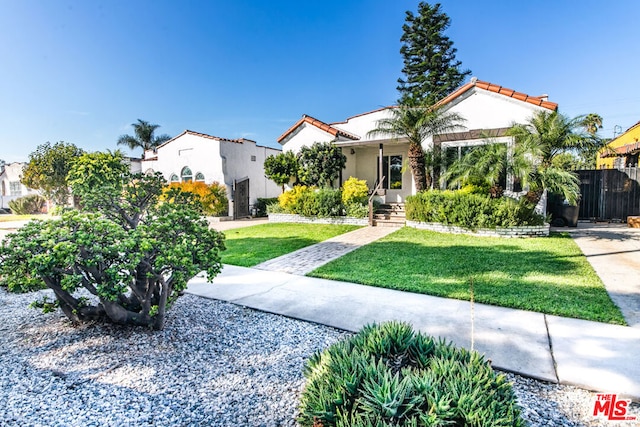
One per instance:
(149, 171)
(174, 178)
(199, 177)
(186, 174)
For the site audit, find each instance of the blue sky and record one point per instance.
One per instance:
(83, 71)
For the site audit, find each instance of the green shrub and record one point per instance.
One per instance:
(469, 210)
(310, 201)
(356, 210)
(275, 208)
(27, 205)
(328, 202)
(390, 375)
(262, 203)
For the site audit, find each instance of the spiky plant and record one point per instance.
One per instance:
(390, 375)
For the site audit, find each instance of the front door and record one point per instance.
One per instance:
(241, 198)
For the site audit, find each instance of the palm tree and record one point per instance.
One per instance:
(144, 137)
(416, 124)
(592, 122)
(530, 159)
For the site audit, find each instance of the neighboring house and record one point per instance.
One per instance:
(10, 186)
(621, 152)
(236, 163)
(488, 109)
(134, 163)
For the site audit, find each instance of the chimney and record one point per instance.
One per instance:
(544, 97)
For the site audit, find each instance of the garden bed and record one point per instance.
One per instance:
(508, 232)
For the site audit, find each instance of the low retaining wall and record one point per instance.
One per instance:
(525, 231)
(280, 217)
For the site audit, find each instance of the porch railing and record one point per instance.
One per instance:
(378, 190)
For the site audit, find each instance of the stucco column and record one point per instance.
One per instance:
(380, 171)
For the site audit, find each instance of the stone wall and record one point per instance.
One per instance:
(525, 231)
(281, 217)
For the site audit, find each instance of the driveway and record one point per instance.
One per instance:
(614, 252)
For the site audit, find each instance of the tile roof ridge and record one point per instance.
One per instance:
(320, 125)
(365, 113)
(540, 101)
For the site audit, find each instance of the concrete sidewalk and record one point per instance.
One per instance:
(613, 250)
(591, 355)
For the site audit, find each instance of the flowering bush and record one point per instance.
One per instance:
(212, 197)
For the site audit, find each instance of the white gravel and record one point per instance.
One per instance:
(214, 364)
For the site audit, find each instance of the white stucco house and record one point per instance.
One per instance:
(236, 163)
(487, 109)
(10, 186)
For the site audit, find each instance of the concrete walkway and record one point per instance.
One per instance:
(614, 252)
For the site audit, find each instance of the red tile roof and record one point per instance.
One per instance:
(204, 135)
(320, 125)
(535, 100)
(624, 150)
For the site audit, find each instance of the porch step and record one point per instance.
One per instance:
(390, 215)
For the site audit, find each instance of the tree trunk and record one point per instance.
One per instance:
(416, 162)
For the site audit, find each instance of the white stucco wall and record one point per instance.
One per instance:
(12, 173)
(361, 125)
(218, 160)
(247, 160)
(482, 109)
(305, 135)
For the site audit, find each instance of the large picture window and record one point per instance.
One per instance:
(392, 170)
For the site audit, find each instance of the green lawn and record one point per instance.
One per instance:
(548, 275)
(250, 246)
(12, 217)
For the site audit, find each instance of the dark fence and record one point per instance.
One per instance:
(609, 194)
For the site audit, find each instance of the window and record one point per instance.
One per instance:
(186, 174)
(199, 177)
(174, 178)
(15, 188)
(253, 158)
(392, 170)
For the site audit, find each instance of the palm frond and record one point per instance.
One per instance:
(129, 141)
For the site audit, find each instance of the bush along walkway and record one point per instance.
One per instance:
(308, 259)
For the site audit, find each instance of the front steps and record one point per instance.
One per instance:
(390, 215)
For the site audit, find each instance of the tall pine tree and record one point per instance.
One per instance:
(431, 70)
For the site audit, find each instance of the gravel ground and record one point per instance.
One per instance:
(214, 364)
